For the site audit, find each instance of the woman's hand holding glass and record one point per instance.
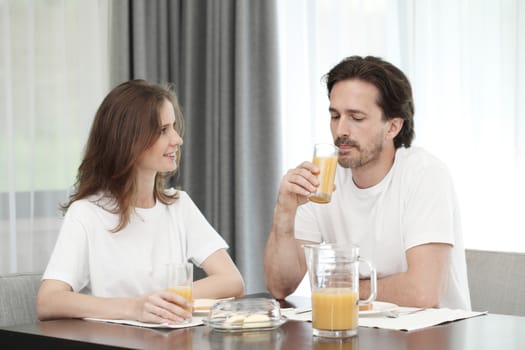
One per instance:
(162, 307)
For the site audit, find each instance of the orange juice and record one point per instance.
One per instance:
(185, 292)
(334, 309)
(326, 178)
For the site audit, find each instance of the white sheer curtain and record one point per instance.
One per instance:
(53, 74)
(465, 60)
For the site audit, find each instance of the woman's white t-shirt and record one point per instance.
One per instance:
(414, 204)
(93, 260)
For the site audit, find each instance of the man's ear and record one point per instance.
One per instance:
(394, 127)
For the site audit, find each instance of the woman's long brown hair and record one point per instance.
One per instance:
(125, 125)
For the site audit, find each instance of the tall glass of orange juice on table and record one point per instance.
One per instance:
(334, 279)
(180, 281)
(325, 157)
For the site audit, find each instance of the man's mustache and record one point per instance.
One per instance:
(346, 141)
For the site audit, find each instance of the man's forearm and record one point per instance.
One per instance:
(283, 270)
(422, 285)
(401, 290)
(282, 262)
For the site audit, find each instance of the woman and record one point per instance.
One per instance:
(121, 227)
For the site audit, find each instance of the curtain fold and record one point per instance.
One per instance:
(222, 58)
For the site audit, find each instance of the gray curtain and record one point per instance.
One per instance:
(222, 57)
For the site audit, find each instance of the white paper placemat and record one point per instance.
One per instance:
(302, 316)
(196, 321)
(422, 319)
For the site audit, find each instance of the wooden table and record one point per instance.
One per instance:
(484, 332)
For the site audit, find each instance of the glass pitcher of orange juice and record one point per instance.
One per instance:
(333, 270)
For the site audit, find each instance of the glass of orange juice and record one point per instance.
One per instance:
(180, 281)
(325, 157)
(334, 280)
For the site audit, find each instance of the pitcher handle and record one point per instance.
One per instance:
(373, 283)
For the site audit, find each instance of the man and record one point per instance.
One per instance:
(396, 202)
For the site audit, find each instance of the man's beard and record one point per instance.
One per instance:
(366, 155)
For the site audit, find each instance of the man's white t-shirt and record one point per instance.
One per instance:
(130, 262)
(414, 204)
